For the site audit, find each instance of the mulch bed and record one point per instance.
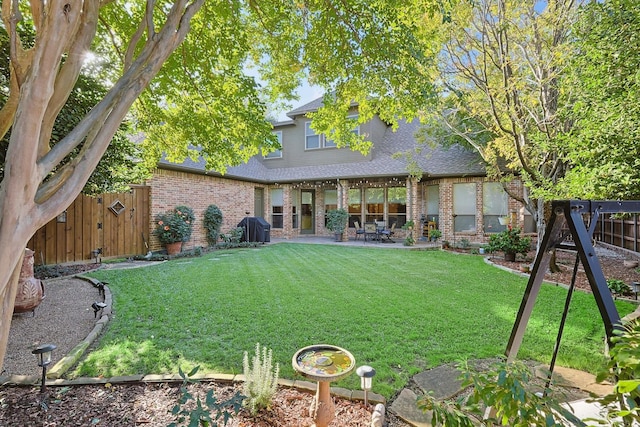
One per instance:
(611, 261)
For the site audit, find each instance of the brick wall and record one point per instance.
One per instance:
(172, 188)
(445, 224)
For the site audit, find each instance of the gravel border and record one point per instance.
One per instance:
(64, 318)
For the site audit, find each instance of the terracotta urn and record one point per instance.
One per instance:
(173, 248)
(30, 290)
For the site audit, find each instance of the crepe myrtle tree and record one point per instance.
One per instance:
(178, 69)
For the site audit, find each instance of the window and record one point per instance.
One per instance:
(329, 143)
(464, 207)
(294, 209)
(433, 203)
(374, 198)
(495, 202)
(355, 206)
(277, 207)
(311, 139)
(396, 206)
(330, 202)
(277, 154)
(529, 224)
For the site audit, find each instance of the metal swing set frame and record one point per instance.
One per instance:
(577, 219)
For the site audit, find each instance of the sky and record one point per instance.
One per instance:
(307, 93)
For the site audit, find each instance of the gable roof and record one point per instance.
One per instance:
(388, 158)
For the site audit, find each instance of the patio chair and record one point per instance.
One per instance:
(370, 231)
(389, 232)
(359, 230)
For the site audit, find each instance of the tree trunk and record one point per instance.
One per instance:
(546, 209)
(36, 186)
(9, 277)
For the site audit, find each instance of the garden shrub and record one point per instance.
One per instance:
(188, 216)
(174, 226)
(212, 223)
(618, 286)
(261, 380)
(192, 411)
(233, 236)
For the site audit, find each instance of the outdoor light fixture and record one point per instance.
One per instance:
(95, 253)
(635, 286)
(100, 286)
(43, 354)
(97, 306)
(366, 374)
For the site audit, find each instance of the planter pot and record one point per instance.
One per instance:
(338, 237)
(173, 248)
(30, 290)
(510, 256)
(481, 251)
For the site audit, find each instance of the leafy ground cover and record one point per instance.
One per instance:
(398, 311)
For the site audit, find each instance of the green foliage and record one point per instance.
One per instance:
(119, 166)
(233, 236)
(435, 234)
(623, 370)
(260, 379)
(510, 240)
(201, 416)
(515, 404)
(408, 225)
(212, 223)
(506, 388)
(603, 81)
(174, 226)
(409, 240)
(464, 243)
(618, 286)
(337, 220)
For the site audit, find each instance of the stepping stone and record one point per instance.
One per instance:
(214, 259)
(442, 381)
(405, 407)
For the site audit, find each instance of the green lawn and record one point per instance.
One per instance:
(399, 311)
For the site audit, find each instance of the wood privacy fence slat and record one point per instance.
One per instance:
(117, 223)
(624, 233)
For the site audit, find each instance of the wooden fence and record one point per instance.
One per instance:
(117, 224)
(623, 233)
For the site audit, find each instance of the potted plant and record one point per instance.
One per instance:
(435, 235)
(509, 241)
(408, 227)
(174, 227)
(337, 222)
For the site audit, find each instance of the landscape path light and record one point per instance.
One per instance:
(43, 354)
(366, 374)
(635, 287)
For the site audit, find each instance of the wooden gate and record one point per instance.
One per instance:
(116, 223)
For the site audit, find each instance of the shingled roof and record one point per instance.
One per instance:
(384, 162)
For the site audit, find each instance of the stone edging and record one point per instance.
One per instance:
(64, 364)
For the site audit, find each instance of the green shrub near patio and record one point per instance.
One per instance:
(400, 311)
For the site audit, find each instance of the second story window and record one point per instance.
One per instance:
(277, 154)
(311, 139)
